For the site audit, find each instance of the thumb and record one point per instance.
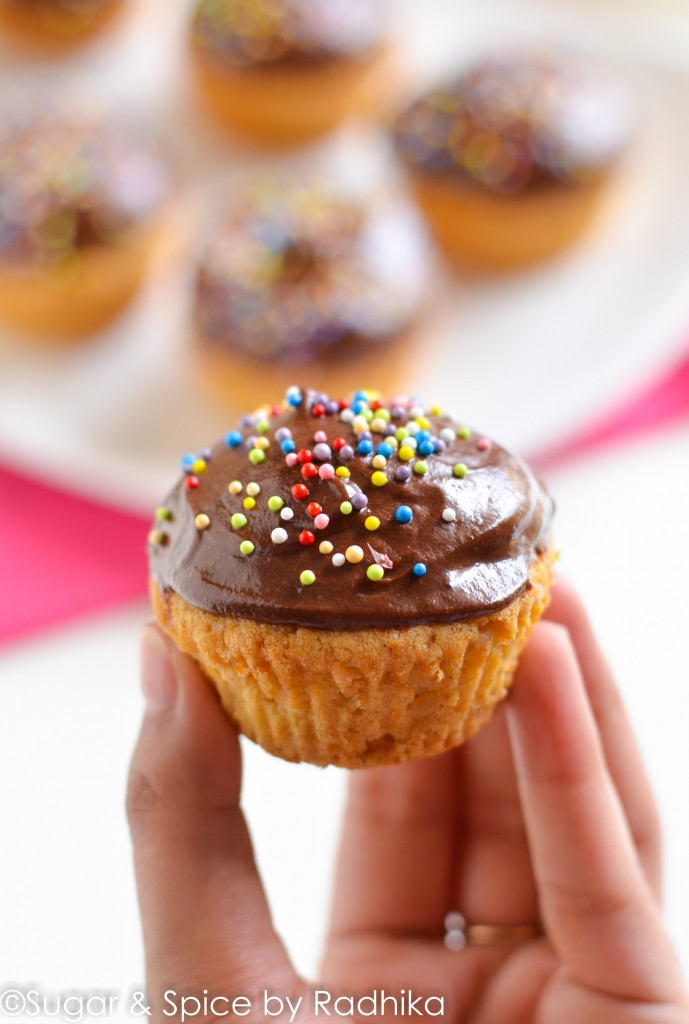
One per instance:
(206, 922)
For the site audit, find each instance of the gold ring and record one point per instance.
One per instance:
(459, 934)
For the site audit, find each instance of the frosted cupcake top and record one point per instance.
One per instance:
(348, 514)
(67, 186)
(246, 33)
(517, 121)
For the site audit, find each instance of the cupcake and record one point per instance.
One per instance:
(56, 23)
(509, 160)
(82, 207)
(356, 578)
(285, 71)
(295, 276)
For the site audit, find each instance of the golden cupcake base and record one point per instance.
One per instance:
(47, 26)
(358, 698)
(489, 231)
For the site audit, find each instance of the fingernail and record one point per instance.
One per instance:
(158, 678)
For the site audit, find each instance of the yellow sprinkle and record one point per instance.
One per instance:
(262, 443)
(249, 503)
(199, 466)
(253, 489)
(235, 487)
(406, 453)
(378, 425)
(372, 522)
(379, 479)
(436, 411)
(325, 547)
(422, 422)
(379, 462)
(202, 521)
(342, 471)
(359, 423)
(354, 554)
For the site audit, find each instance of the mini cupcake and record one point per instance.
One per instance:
(356, 578)
(285, 71)
(54, 24)
(82, 208)
(296, 276)
(509, 160)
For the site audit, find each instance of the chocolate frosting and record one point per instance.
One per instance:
(516, 121)
(255, 33)
(68, 184)
(479, 518)
(295, 273)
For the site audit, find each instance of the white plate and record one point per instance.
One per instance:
(527, 358)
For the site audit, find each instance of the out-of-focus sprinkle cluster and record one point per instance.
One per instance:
(292, 273)
(66, 186)
(513, 122)
(252, 32)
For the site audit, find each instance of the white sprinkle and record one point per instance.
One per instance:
(286, 513)
(346, 415)
(339, 559)
(278, 536)
(252, 490)
(447, 435)
(449, 515)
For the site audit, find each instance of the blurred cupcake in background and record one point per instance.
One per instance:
(52, 24)
(298, 279)
(287, 71)
(509, 160)
(83, 207)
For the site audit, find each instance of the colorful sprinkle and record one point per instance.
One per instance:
(163, 513)
(275, 503)
(406, 453)
(249, 503)
(379, 462)
(342, 472)
(313, 508)
(325, 547)
(460, 469)
(253, 489)
(419, 569)
(372, 522)
(278, 536)
(420, 467)
(300, 492)
(484, 444)
(287, 514)
(157, 537)
(238, 521)
(235, 487)
(326, 472)
(463, 433)
(306, 537)
(233, 439)
(191, 483)
(354, 554)
(321, 521)
(256, 456)
(378, 479)
(449, 515)
(338, 559)
(403, 514)
(375, 572)
(306, 578)
(346, 508)
(247, 547)
(199, 466)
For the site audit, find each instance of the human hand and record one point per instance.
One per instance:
(546, 816)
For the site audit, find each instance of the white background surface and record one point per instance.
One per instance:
(69, 703)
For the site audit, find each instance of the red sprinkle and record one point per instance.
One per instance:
(338, 443)
(275, 410)
(376, 404)
(314, 509)
(304, 456)
(318, 409)
(191, 482)
(306, 537)
(299, 491)
(308, 471)
(342, 404)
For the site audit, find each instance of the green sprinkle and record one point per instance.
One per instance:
(247, 547)
(163, 513)
(275, 503)
(346, 508)
(401, 433)
(263, 426)
(420, 467)
(306, 578)
(464, 433)
(460, 469)
(375, 572)
(238, 520)
(256, 456)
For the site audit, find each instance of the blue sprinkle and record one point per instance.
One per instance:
(295, 399)
(384, 449)
(403, 514)
(364, 447)
(287, 445)
(188, 460)
(423, 435)
(360, 396)
(419, 569)
(233, 439)
(358, 406)
(426, 447)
